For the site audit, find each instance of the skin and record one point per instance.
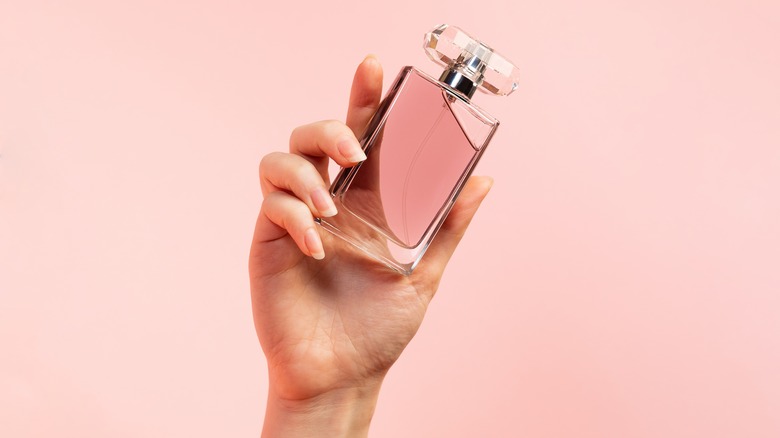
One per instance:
(331, 320)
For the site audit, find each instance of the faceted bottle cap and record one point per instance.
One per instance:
(466, 58)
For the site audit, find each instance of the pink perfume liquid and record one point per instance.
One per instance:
(422, 145)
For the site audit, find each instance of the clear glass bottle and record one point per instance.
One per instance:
(422, 145)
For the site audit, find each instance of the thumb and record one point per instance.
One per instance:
(454, 227)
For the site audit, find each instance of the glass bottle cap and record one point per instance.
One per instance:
(466, 57)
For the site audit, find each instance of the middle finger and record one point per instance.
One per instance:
(293, 174)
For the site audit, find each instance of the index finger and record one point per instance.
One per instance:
(365, 94)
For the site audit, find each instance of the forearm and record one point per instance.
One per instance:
(339, 413)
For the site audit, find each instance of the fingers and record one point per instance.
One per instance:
(283, 214)
(336, 140)
(293, 184)
(454, 227)
(293, 192)
(365, 95)
(292, 173)
(330, 138)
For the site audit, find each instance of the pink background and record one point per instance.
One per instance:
(621, 280)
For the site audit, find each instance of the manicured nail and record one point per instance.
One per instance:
(314, 244)
(351, 150)
(371, 58)
(490, 182)
(323, 202)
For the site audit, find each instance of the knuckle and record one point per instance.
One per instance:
(271, 200)
(267, 162)
(294, 134)
(263, 165)
(300, 172)
(267, 207)
(298, 136)
(334, 128)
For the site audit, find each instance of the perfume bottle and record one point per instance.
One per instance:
(421, 145)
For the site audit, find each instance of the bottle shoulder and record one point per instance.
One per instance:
(409, 71)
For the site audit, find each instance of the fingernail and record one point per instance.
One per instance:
(351, 150)
(490, 182)
(371, 58)
(314, 244)
(323, 202)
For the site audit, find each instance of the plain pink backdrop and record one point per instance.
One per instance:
(621, 280)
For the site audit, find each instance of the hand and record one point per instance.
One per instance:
(330, 319)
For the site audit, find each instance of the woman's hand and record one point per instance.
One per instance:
(330, 319)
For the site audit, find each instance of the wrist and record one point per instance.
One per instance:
(342, 412)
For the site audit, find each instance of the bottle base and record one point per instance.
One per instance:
(402, 260)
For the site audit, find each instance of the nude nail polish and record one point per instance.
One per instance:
(323, 202)
(421, 146)
(314, 244)
(351, 150)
